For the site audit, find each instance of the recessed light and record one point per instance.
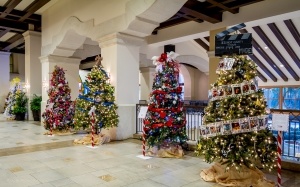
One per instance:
(266, 47)
(281, 65)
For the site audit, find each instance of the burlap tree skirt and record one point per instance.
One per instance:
(98, 139)
(172, 151)
(246, 177)
(59, 133)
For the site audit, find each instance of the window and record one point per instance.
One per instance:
(272, 97)
(291, 98)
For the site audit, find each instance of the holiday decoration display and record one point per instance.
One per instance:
(97, 92)
(164, 124)
(60, 108)
(235, 130)
(11, 98)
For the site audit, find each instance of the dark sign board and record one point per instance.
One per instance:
(239, 44)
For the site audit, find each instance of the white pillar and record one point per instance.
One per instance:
(4, 80)
(147, 78)
(71, 67)
(33, 75)
(120, 54)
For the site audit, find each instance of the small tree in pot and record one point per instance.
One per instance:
(20, 109)
(35, 106)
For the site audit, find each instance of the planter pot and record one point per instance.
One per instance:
(20, 116)
(36, 115)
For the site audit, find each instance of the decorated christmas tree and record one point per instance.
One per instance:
(165, 121)
(11, 97)
(60, 109)
(234, 130)
(97, 92)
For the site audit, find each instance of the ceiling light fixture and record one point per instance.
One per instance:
(202, 1)
(281, 65)
(266, 47)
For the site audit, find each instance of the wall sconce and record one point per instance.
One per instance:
(27, 86)
(45, 84)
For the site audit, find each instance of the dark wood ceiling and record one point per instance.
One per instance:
(273, 62)
(16, 22)
(204, 10)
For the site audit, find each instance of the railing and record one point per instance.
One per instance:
(194, 114)
(291, 138)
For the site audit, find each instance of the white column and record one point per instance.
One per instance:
(4, 80)
(71, 67)
(33, 75)
(147, 78)
(120, 54)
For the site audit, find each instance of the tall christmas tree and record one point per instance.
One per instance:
(97, 92)
(60, 108)
(165, 121)
(234, 130)
(11, 97)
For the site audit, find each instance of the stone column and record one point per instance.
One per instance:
(4, 80)
(71, 67)
(120, 54)
(33, 75)
(147, 77)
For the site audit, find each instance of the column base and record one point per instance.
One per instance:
(126, 126)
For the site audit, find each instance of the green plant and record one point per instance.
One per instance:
(20, 104)
(35, 103)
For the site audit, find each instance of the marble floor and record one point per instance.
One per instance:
(29, 158)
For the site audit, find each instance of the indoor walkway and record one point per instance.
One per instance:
(29, 158)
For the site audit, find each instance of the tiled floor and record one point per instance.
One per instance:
(29, 158)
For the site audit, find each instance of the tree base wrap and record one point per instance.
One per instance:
(173, 151)
(59, 133)
(244, 178)
(98, 139)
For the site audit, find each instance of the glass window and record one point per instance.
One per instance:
(272, 97)
(291, 98)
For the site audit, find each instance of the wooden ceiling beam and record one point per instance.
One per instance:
(263, 78)
(17, 14)
(284, 43)
(33, 7)
(14, 42)
(220, 5)
(13, 25)
(202, 44)
(263, 67)
(206, 38)
(266, 57)
(279, 56)
(290, 25)
(10, 5)
(199, 15)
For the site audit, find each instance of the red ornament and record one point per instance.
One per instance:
(162, 114)
(161, 59)
(146, 122)
(164, 56)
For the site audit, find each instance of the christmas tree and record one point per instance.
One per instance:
(60, 109)
(97, 92)
(165, 120)
(11, 98)
(234, 130)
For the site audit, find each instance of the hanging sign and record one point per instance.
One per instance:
(280, 122)
(240, 44)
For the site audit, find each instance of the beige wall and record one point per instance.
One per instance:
(19, 67)
(195, 83)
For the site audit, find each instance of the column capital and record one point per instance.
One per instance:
(4, 53)
(56, 59)
(31, 33)
(120, 38)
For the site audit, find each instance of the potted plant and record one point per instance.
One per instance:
(35, 106)
(20, 109)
